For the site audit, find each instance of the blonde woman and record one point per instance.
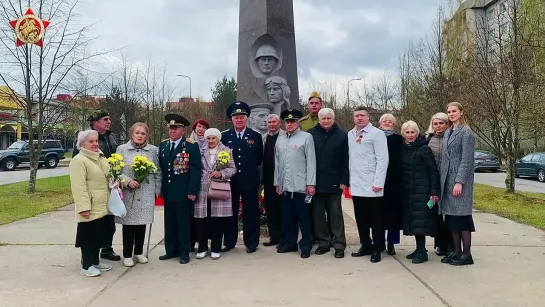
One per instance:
(89, 182)
(139, 197)
(420, 185)
(439, 123)
(457, 180)
(392, 202)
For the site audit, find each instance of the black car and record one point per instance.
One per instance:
(486, 161)
(18, 153)
(531, 165)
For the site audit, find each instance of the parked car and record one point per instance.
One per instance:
(18, 153)
(531, 165)
(486, 161)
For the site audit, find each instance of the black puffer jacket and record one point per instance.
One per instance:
(393, 202)
(420, 181)
(331, 158)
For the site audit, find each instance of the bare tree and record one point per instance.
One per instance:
(40, 72)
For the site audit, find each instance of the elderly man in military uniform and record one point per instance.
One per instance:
(101, 122)
(295, 180)
(247, 149)
(180, 162)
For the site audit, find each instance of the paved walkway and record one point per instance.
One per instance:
(40, 267)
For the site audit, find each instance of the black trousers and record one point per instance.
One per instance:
(133, 240)
(209, 227)
(295, 216)
(250, 215)
(329, 206)
(443, 238)
(89, 238)
(177, 220)
(273, 210)
(368, 212)
(108, 233)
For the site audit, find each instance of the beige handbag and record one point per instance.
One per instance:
(219, 190)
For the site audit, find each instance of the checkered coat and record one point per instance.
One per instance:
(219, 208)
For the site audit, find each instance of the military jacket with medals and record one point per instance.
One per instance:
(181, 169)
(247, 154)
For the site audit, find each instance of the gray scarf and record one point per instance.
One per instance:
(388, 132)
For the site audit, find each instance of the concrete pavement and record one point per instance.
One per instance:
(40, 267)
(521, 184)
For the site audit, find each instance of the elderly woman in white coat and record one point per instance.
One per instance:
(210, 213)
(457, 180)
(368, 163)
(139, 198)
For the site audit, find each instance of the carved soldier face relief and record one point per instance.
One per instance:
(267, 64)
(258, 118)
(275, 94)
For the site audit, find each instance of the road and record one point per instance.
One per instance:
(22, 174)
(498, 180)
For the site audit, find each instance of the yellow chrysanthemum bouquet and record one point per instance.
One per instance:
(142, 168)
(222, 160)
(116, 164)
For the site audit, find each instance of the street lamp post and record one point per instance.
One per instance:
(189, 83)
(348, 91)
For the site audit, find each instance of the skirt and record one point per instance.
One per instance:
(92, 234)
(460, 223)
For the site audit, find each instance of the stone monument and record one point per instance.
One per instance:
(267, 63)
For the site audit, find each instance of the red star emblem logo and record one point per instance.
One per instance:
(29, 29)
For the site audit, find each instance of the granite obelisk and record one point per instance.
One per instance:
(267, 62)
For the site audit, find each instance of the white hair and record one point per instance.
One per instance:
(82, 137)
(273, 116)
(410, 125)
(324, 112)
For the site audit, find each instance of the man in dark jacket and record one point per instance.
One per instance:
(101, 122)
(331, 145)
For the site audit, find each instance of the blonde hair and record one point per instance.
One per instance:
(440, 116)
(409, 124)
(138, 125)
(387, 116)
(458, 105)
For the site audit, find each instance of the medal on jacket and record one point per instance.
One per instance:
(358, 139)
(181, 163)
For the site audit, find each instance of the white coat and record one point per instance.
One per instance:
(368, 161)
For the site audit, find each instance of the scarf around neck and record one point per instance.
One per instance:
(138, 146)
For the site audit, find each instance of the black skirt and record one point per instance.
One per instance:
(460, 223)
(91, 234)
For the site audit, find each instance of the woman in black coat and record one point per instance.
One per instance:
(392, 202)
(420, 185)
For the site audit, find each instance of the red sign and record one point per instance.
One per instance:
(6, 116)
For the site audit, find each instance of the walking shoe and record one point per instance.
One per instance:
(102, 267)
(463, 259)
(339, 253)
(215, 256)
(448, 259)
(362, 252)
(412, 255)
(322, 250)
(375, 257)
(201, 255)
(108, 253)
(141, 259)
(90, 272)
(391, 250)
(128, 262)
(421, 257)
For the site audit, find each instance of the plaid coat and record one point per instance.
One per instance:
(219, 208)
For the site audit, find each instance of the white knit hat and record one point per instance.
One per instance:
(212, 132)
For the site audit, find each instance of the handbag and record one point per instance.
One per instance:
(115, 203)
(219, 190)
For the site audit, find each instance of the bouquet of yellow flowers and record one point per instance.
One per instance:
(222, 160)
(116, 164)
(142, 168)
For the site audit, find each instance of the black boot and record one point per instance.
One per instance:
(391, 250)
(421, 256)
(448, 259)
(375, 257)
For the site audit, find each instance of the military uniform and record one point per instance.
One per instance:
(307, 122)
(181, 168)
(248, 155)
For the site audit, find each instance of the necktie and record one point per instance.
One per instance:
(172, 145)
(240, 136)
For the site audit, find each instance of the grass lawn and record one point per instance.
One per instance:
(17, 204)
(522, 207)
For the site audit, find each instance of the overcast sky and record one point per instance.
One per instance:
(336, 40)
